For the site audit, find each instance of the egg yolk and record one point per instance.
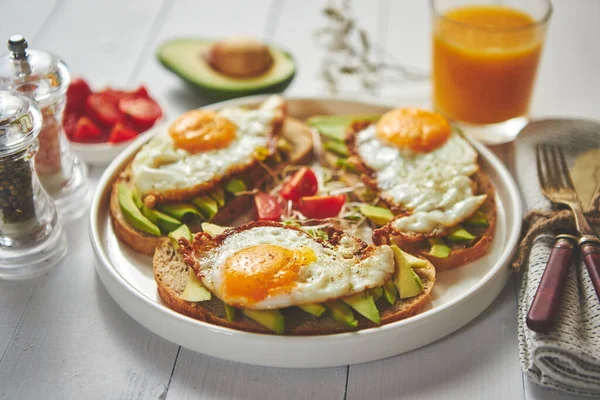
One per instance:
(199, 130)
(258, 272)
(413, 128)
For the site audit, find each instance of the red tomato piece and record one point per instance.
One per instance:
(267, 207)
(143, 111)
(121, 133)
(70, 120)
(303, 183)
(77, 94)
(140, 92)
(320, 207)
(86, 130)
(102, 109)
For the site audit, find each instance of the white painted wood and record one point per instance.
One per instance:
(24, 17)
(476, 362)
(73, 341)
(197, 375)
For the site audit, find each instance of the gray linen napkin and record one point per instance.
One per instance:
(568, 358)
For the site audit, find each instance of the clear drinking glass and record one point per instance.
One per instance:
(485, 59)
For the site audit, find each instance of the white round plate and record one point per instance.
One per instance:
(458, 296)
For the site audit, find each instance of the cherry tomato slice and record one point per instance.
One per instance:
(267, 207)
(77, 94)
(143, 111)
(321, 207)
(303, 183)
(86, 131)
(102, 109)
(121, 133)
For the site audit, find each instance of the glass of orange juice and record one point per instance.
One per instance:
(485, 59)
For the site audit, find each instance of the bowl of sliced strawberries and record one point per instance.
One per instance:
(99, 124)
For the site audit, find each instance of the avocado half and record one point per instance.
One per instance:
(185, 58)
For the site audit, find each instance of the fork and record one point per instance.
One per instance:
(557, 186)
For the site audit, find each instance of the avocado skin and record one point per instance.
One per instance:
(220, 94)
(341, 313)
(270, 319)
(132, 214)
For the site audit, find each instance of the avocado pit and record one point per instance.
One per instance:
(240, 57)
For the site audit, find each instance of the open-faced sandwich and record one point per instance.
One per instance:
(201, 167)
(269, 277)
(427, 190)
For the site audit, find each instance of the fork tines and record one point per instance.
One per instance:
(553, 172)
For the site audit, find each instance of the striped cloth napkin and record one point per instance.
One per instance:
(568, 358)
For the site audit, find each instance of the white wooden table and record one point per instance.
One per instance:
(63, 337)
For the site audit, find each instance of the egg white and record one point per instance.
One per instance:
(436, 186)
(334, 274)
(160, 166)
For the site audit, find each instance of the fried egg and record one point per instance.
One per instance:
(202, 146)
(421, 166)
(273, 266)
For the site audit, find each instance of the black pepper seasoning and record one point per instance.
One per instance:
(16, 189)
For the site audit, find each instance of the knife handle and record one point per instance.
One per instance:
(590, 251)
(546, 302)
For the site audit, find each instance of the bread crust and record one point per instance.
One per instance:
(293, 131)
(416, 243)
(171, 272)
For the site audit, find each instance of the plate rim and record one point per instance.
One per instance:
(104, 265)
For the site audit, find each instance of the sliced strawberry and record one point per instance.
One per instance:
(140, 92)
(86, 130)
(142, 111)
(121, 133)
(77, 94)
(102, 109)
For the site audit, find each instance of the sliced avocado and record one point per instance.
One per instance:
(270, 319)
(341, 313)
(458, 234)
(314, 309)
(194, 289)
(346, 165)
(137, 199)
(418, 280)
(336, 147)
(186, 58)
(132, 213)
(180, 211)
(390, 292)
(213, 229)
(479, 219)
(415, 262)
(207, 206)
(364, 304)
(181, 231)
(218, 194)
(235, 186)
(404, 276)
(162, 220)
(376, 293)
(378, 215)
(334, 126)
(439, 248)
(229, 313)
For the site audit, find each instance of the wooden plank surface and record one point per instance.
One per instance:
(74, 341)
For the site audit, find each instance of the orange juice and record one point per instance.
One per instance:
(485, 59)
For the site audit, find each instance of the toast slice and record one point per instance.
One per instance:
(171, 275)
(299, 150)
(418, 244)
